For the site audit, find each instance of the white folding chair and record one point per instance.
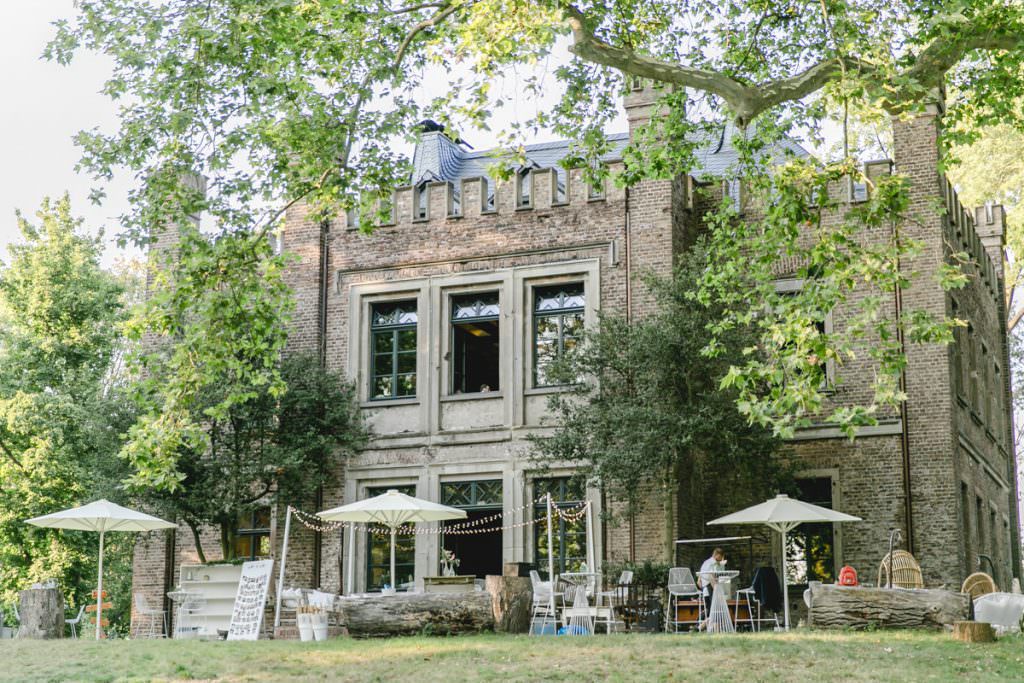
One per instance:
(681, 585)
(152, 615)
(73, 623)
(543, 607)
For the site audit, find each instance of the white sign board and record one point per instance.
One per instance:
(247, 615)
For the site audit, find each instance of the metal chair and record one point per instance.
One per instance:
(152, 614)
(616, 597)
(192, 616)
(681, 585)
(73, 623)
(543, 607)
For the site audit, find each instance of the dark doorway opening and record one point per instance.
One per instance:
(479, 552)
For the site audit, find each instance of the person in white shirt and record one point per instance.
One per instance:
(715, 563)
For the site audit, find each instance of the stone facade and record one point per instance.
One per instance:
(950, 447)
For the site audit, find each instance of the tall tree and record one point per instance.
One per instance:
(60, 423)
(311, 96)
(656, 414)
(270, 448)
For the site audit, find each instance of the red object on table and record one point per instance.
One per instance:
(848, 576)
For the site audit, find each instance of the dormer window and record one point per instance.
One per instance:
(524, 191)
(422, 198)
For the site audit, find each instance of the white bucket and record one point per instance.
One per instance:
(319, 625)
(305, 624)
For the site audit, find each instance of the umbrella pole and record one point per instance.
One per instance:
(280, 572)
(351, 557)
(99, 592)
(551, 565)
(394, 582)
(785, 581)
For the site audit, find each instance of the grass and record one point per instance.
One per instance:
(799, 656)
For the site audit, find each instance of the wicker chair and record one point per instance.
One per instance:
(906, 572)
(978, 584)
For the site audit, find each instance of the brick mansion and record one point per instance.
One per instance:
(447, 317)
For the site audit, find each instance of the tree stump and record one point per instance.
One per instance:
(417, 613)
(974, 632)
(863, 606)
(511, 602)
(42, 613)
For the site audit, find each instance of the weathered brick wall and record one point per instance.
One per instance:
(626, 234)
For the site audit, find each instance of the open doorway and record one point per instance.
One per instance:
(479, 554)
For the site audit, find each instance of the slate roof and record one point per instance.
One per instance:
(437, 157)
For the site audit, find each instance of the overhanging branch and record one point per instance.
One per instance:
(749, 100)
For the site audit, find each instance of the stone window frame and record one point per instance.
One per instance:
(530, 279)
(368, 489)
(363, 297)
(837, 504)
(784, 285)
(591, 494)
(450, 290)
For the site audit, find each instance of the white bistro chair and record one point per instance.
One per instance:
(155, 618)
(544, 611)
(617, 596)
(73, 623)
(191, 616)
(682, 586)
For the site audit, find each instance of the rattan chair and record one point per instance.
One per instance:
(906, 572)
(978, 584)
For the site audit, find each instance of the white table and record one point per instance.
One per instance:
(181, 599)
(579, 612)
(718, 620)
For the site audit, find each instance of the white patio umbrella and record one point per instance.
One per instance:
(784, 514)
(392, 509)
(101, 516)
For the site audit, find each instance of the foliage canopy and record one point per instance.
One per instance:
(282, 101)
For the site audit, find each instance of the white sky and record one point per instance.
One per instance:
(44, 105)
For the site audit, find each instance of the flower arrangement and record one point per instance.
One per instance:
(449, 563)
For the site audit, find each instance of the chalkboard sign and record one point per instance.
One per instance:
(247, 615)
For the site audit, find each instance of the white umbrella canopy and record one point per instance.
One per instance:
(392, 509)
(783, 514)
(101, 516)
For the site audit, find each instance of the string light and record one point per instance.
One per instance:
(568, 514)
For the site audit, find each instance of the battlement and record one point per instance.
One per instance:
(962, 233)
(438, 202)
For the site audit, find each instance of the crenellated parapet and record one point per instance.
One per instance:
(547, 189)
(982, 242)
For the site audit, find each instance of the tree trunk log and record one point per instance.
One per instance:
(974, 632)
(511, 603)
(860, 607)
(42, 613)
(416, 613)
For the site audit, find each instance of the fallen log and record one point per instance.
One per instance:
(42, 613)
(863, 606)
(416, 613)
(511, 603)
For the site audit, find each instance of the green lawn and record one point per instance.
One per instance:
(804, 657)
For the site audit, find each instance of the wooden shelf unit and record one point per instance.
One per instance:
(218, 583)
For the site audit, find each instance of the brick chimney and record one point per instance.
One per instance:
(639, 101)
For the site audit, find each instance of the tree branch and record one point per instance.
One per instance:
(749, 100)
